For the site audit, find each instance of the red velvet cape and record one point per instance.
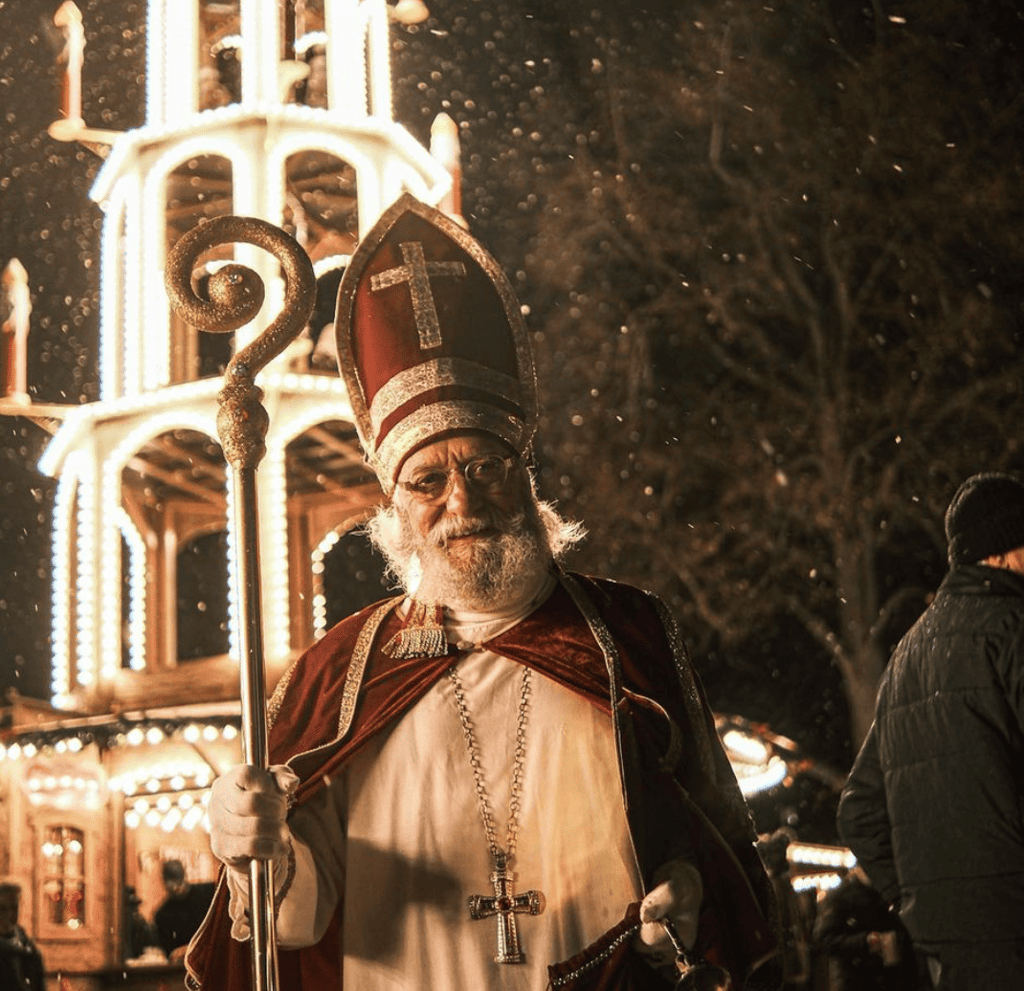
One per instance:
(693, 808)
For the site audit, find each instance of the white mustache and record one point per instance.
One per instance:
(451, 529)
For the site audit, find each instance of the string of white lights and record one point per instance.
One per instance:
(63, 518)
(88, 532)
(71, 738)
(136, 591)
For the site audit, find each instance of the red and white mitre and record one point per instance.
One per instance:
(431, 339)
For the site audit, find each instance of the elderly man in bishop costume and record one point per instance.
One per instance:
(506, 777)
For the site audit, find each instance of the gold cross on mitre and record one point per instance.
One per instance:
(417, 271)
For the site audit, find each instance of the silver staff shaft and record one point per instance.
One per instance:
(252, 684)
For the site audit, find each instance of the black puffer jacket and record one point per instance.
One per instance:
(934, 805)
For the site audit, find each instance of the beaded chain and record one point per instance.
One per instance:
(516, 785)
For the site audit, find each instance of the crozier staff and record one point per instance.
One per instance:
(506, 776)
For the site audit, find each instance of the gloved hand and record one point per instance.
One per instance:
(247, 811)
(677, 896)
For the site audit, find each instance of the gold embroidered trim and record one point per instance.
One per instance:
(417, 642)
(357, 665)
(601, 634)
(422, 635)
(434, 374)
(277, 697)
(429, 421)
(687, 683)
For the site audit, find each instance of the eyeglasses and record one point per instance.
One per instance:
(487, 475)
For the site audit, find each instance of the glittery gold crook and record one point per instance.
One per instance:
(235, 296)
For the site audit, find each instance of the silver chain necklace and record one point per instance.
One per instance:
(504, 904)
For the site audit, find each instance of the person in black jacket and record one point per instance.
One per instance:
(139, 932)
(182, 911)
(934, 805)
(21, 963)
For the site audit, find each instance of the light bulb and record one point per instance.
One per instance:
(410, 12)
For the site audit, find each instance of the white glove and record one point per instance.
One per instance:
(677, 897)
(248, 807)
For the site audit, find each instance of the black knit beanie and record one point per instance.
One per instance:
(985, 517)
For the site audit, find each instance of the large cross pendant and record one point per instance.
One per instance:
(503, 906)
(417, 271)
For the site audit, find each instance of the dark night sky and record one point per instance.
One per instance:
(48, 221)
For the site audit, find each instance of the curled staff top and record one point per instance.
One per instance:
(236, 294)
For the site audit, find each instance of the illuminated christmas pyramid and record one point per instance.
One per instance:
(275, 110)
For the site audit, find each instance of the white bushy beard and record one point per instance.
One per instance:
(492, 570)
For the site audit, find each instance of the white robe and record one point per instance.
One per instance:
(400, 836)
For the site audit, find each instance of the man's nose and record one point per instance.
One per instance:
(462, 497)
